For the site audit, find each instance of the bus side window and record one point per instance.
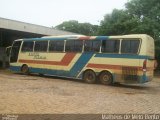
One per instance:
(69, 46)
(92, 45)
(110, 46)
(88, 46)
(96, 45)
(27, 46)
(56, 46)
(52, 46)
(41, 46)
(130, 46)
(78, 45)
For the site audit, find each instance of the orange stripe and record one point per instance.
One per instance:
(116, 67)
(106, 66)
(64, 62)
(84, 38)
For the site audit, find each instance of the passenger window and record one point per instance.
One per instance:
(92, 45)
(74, 46)
(88, 46)
(70, 46)
(78, 45)
(110, 46)
(27, 46)
(130, 46)
(56, 46)
(52, 45)
(96, 45)
(41, 46)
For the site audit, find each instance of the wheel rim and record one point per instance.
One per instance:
(89, 77)
(25, 69)
(106, 78)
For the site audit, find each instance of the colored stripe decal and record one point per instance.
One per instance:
(128, 56)
(68, 38)
(80, 64)
(66, 60)
(84, 38)
(115, 67)
(49, 38)
(102, 37)
(142, 78)
(107, 66)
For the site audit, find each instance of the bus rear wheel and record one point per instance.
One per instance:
(25, 69)
(89, 77)
(106, 78)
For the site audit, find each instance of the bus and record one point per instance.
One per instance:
(104, 59)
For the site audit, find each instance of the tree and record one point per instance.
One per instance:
(139, 16)
(76, 27)
(148, 14)
(119, 22)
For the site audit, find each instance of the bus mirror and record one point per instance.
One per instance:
(8, 49)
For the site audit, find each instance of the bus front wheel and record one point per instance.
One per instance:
(106, 78)
(89, 77)
(25, 69)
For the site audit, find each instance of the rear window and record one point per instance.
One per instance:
(130, 46)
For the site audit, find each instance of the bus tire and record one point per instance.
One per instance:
(41, 75)
(25, 69)
(89, 76)
(106, 78)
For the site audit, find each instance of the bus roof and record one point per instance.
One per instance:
(83, 37)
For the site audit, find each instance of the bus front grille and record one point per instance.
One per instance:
(129, 73)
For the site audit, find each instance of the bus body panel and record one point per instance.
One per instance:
(74, 67)
(125, 68)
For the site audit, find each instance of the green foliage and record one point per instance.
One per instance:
(140, 16)
(117, 23)
(81, 28)
(148, 14)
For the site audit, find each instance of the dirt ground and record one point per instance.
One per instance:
(20, 94)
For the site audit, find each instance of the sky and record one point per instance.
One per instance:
(53, 12)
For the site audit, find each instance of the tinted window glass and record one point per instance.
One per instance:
(130, 46)
(88, 46)
(70, 46)
(56, 46)
(74, 46)
(92, 45)
(41, 46)
(110, 46)
(27, 46)
(96, 45)
(52, 45)
(78, 45)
